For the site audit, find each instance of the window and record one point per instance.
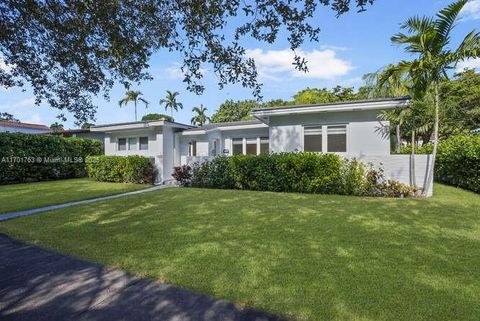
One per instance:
(251, 146)
(132, 143)
(337, 138)
(122, 144)
(214, 148)
(143, 143)
(237, 146)
(192, 148)
(264, 145)
(312, 140)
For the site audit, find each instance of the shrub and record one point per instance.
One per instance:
(295, 172)
(27, 157)
(183, 175)
(121, 169)
(458, 161)
(214, 174)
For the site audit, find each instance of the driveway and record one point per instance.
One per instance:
(38, 284)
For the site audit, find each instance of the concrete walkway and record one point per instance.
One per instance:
(8, 216)
(38, 284)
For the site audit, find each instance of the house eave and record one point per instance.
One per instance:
(137, 125)
(264, 114)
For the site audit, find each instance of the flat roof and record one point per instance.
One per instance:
(137, 125)
(264, 114)
(348, 102)
(225, 124)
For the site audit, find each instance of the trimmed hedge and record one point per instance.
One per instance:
(292, 172)
(121, 169)
(28, 157)
(458, 160)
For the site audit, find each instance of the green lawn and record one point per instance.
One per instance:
(18, 197)
(306, 257)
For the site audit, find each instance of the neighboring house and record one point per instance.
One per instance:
(81, 133)
(26, 128)
(350, 129)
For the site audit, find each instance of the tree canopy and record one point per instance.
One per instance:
(240, 110)
(155, 116)
(8, 117)
(71, 51)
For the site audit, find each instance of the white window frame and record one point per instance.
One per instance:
(244, 143)
(139, 144)
(325, 136)
(130, 145)
(118, 144)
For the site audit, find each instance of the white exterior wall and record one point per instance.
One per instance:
(366, 135)
(12, 129)
(397, 167)
(155, 146)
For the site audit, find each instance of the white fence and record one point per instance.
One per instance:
(399, 167)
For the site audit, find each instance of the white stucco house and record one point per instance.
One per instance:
(350, 129)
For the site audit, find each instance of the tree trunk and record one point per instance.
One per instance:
(412, 162)
(135, 110)
(399, 139)
(435, 141)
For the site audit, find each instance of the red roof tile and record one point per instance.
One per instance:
(23, 125)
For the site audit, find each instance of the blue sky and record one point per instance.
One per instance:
(348, 47)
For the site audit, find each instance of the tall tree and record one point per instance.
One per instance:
(324, 95)
(8, 117)
(132, 96)
(170, 101)
(429, 40)
(201, 117)
(460, 103)
(231, 110)
(71, 51)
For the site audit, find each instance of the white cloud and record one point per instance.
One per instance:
(175, 72)
(322, 64)
(20, 104)
(33, 118)
(335, 48)
(471, 10)
(470, 64)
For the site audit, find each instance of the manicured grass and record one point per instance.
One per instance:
(306, 257)
(18, 197)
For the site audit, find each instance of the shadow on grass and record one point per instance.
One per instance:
(300, 256)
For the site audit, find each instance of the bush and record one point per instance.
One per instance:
(27, 157)
(121, 169)
(458, 161)
(295, 172)
(183, 175)
(424, 149)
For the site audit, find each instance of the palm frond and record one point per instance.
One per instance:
(469, 47)
(418, 24)
(446, 19)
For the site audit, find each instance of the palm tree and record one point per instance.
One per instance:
(429, 39)
(134, 96)
(394, 86)
(200, 118)
(171, 102)
(56, 127)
